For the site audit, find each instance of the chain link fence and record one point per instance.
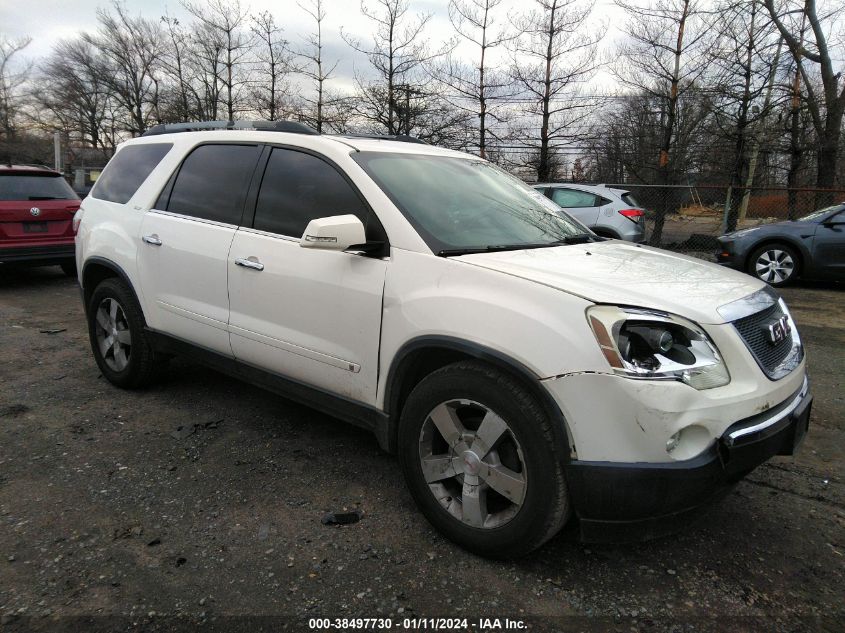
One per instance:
(694, 216)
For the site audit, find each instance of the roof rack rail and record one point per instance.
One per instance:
(293, 127)
(404, 138)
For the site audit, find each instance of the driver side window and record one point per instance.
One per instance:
(297, 188)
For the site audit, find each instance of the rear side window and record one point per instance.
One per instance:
(572, 198)
(35, 187)
(298, 188)
(127, 171)
(212, 182)
(627, 198)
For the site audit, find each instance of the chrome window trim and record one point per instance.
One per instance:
(182, 216)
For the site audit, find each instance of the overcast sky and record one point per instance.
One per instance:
(48, 21)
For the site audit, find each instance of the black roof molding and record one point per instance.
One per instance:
(293, 127)
(404, 138)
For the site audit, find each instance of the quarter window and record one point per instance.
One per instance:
(127, 170)
(572, 198)
(212, 182)
(297, 188)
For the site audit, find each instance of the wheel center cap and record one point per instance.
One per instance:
(472, 463)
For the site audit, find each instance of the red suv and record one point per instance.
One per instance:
(36, 217)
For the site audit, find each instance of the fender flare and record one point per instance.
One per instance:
(403, 361)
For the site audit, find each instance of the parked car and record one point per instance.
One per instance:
(36, 217)
(811, 247)
(609, 212)
(523, 369)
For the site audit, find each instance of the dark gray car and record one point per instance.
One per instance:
(812, 247)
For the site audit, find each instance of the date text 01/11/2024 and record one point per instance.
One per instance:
(418, 624)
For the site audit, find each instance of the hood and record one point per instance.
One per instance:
(622, 273)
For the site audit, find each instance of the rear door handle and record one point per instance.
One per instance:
(152, 239)
(249, 262)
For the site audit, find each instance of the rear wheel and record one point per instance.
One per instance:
(121, 346)
(478, 455)
(776, 264)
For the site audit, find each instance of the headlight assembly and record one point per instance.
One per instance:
(655, 345)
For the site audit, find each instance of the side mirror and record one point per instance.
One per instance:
(335, 233)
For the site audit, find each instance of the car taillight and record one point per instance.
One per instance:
(77, 220)
(632, 214)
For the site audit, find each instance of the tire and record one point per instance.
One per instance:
(471, 395)
(121, 346)
(776, 264)
(69, 268)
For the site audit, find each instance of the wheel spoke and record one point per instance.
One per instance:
(124, 337)
(446, 420)
(103, 319)
(474, 503)
(437, 468)
(119, 355)
(105, 344)
(491, 429)
(113, 311)
(506, 482)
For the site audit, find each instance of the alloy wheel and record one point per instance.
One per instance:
(473, 463)
(113, 336)
(774, 266)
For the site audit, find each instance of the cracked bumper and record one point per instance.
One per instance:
(637, 501)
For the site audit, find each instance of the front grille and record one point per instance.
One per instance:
(753, 331)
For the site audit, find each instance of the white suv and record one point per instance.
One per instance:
(523, 369)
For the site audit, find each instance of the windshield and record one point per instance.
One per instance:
(35, 187)
(457, 204)
(815, 215)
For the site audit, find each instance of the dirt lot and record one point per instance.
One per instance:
(199, 502)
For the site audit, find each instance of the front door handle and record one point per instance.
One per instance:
(249, 262)
(152, 239)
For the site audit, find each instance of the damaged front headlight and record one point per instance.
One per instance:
(648, 344)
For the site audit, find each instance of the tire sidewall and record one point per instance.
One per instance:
(538, 454)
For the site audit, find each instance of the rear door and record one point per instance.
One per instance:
(308, 314)
(582, 205)
(36, 209)
(185, 243)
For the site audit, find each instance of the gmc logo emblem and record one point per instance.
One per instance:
(777, 330)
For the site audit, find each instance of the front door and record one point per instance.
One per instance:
(311, 315)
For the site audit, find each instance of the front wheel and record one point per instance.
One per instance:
(776, 264)
(477, 452)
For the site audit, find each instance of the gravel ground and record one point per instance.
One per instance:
(197, 503)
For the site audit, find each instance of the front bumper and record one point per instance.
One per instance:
(638, 501)
(729, 255)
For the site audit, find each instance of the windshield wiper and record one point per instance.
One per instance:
(46, 198)
(579, 238)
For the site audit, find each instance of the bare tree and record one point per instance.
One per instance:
(133, 48)
(315, 68)
(274, 64)
(474, 87)
(175, 64)
(827, 109)
(223, 25)
(12, 79)
(205, 64)
(398, 54)
(663, 57)
(741, 60)
(555, 55)
(74, 90)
